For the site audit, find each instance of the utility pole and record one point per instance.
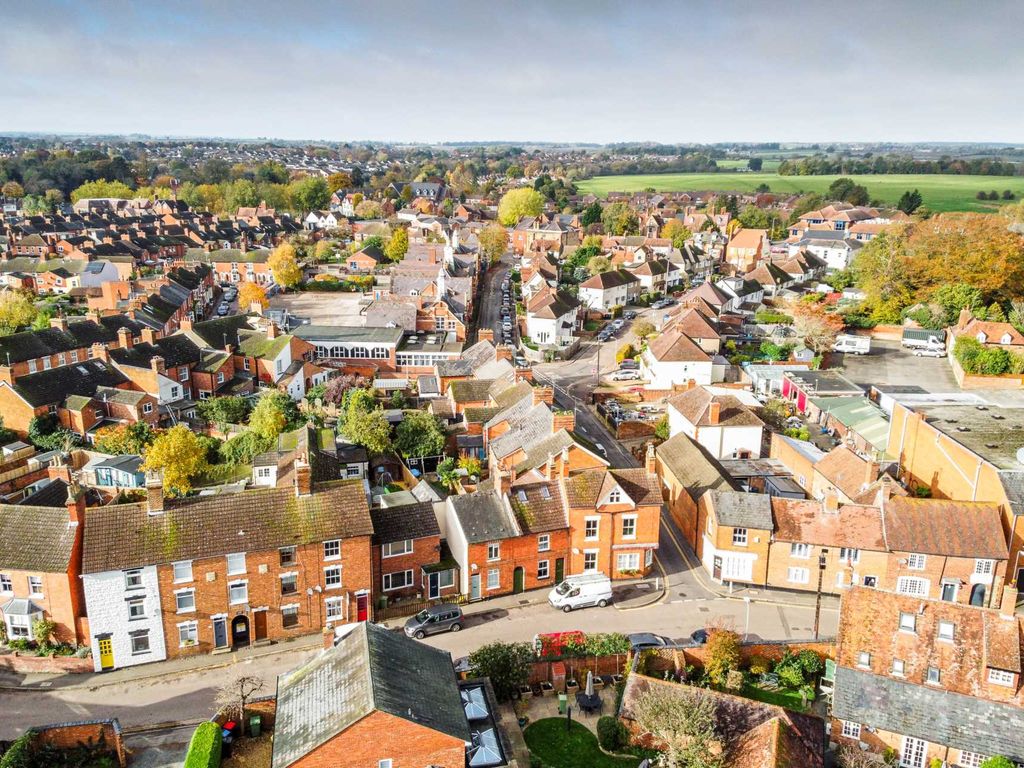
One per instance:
(822, 562)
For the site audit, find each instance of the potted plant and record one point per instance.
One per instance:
(571, 686)
(524, 691)
(521, 707)
(546, 688)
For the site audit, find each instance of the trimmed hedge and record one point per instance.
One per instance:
(204, 749)
(611, 734)
(19, 754)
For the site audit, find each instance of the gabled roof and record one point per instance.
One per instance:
(483, 517)
(412, 521)
(175, 350)
(35, 538)
(691, 464)
(971, 529)
(695, 406)
(538, 505)
(742, 510)
(674, 346)
(370, 669)
(804, 521)
(126, 535)
(606, 280)
(586, 488)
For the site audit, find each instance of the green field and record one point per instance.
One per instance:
(768, 165)
(940, 192)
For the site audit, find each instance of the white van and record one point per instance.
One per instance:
(854, 345)
(581, 591)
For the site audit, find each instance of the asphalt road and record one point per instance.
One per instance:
(489, 314)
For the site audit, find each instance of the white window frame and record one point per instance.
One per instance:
(182, 571)
(496, 573)
(397, 548)
(916, 562)
(946, 631)
(543, 570)
(631, 559)
(333, 608)
(136, 603)
(232, 561)
(332, 549)
(178, 594)
(1000, 677)
(983, 567)
(631, 520)
(591, 523)
(543, 542)
(330, 572)
(912, 585)
(797, 575)
(188, 631)
(130, 577)
(910, 746)
(800, 551)
(143, 635)
(864, 659)
(851, 730)
(6, 584)
(849, 555)
(493, 552)
(899, 667)
(588, 554)
(908, 622)
(970, 759)
(147, 407)
(238, 584)
(388, 581)
(292, 577)
(739, 536)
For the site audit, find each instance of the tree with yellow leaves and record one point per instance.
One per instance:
(284, 265)
(16, 311)
(180, 455)
(251, 293)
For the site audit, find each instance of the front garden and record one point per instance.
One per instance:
(42, 642)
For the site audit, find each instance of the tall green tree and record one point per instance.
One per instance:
(619, 219)
(517, 203)
(419, 434)
(275, 411)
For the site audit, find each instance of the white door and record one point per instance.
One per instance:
(913, 752)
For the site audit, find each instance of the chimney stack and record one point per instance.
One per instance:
(148, 336)
(303, 476)
(502, 351)
(157, 364)
(500, 485)
(60, 323)
(690, 384)
(830, 504)
(272, 332)
(75, 504)
(1008, 603)
(154, 493)
(651, 460)
(714, 411)
(99, 352)
(563, 420)
(543, 395)
(185, 324)
(124, 338)
(870, 472)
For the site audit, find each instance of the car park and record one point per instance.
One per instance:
(643, 641)
(434, 619)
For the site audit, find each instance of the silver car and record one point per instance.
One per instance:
(434, 619)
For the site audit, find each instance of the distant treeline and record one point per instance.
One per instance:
(821, 165)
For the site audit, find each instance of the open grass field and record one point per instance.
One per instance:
(767, 165)
(940, 192)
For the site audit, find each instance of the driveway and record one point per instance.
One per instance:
(890, 363)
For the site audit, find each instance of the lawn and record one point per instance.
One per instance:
(941, 192)
(781, 698)
(575, 748)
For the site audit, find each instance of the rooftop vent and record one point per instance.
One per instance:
(963, 429)
(998, 417)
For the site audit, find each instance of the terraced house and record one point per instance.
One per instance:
(170, 578)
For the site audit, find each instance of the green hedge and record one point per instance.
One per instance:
(611, 734)
(204, 749)
(19, 754)
(975, 357)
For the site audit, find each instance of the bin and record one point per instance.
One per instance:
(254, 726)
(563, 703)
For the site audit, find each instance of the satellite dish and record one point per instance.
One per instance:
(1020, 455)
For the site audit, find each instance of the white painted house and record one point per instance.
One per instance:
(552, 317)
(125, 621)
(673, 359)
(609, 289)
(835, 248)
(719, 420)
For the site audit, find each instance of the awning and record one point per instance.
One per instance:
(20, 606)
(390, 384)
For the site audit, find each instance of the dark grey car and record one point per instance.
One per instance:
(434, 619)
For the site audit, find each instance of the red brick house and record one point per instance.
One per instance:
(407, 553)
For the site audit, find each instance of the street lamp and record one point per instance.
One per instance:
(822, 564)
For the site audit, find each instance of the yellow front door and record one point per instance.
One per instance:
(106, 653)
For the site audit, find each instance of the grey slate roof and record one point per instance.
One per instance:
(471, 359)
(370, 669)
(56, 384)
(483, 517)
(743, 510)
(937, 716)
(411, 521)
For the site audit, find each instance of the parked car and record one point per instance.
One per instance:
(642, 641)
(625, 376)
(223, 309)
(629, 364)
(581, 591)
(930, 352)
(434, 619)
(854, 345)
(600, 449)
(699, 637)
(618, 323)
(629, 314)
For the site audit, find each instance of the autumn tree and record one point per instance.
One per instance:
(368, 209)
(274, 412)
(180, 455)
(12, 189)
(642, 329)
(338, 181)
(722, 654)
(323, 251)
(883, 272)
(16, 311)
(102, 188)
(517, 203)
(310, 194)
(598, 264)
(677, 232)
(619, 219)
(250, 293)
(493, 242)
(814, 326)
(684, 721)
(124, 439)
(284, 265)
(398, 244)
(223, 411)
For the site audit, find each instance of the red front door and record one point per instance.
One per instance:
(362, 601)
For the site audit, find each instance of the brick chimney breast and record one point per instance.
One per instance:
(148, 335)
(124, 338)
(714, 411)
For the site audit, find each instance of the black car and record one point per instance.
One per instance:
(642, 641)
(699, 637)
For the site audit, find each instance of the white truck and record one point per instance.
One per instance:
(922, 338)
(853, 345)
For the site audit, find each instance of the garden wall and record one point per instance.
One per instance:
(981, 381)
(265, 707)
(61, 665)
(71, 735)
(882, 332)
(578, 667)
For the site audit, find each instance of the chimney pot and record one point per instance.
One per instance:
(124, 338)
(148, 335)
(1008, 603)
(651, 460)
(303, 476)
(154, 493)
(714, 412)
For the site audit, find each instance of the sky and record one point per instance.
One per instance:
(487, 70)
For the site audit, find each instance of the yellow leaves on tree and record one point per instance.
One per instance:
(16, 311)
(180, 455)
(493, 242)
(517, 203)
(284, 265)
(251, 293)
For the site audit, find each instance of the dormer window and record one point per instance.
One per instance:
(981, 337)
(1007, 339)
(615, 497)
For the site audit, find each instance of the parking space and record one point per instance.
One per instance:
(323, 308)
(890, 363)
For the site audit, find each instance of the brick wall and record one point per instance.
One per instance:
(578, 667)
(58, 600)
(70, 735)
(426, 551)
(382, 736)
(520, 552)
(58, 665)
